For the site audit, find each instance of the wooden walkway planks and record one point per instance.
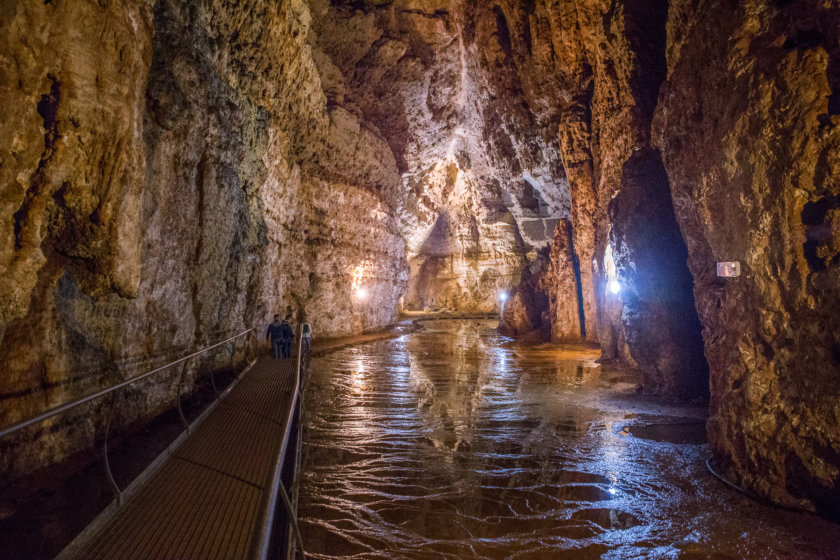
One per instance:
(204, 500)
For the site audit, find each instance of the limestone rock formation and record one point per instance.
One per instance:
(527, 309)
(561, 284)
(169, 187)
(483, 183)
(172, 172)
(748, 124)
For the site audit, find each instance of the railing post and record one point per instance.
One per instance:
(180, 408)
(113, 483)
(233, 358)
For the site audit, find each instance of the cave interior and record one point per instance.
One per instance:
(175, 171)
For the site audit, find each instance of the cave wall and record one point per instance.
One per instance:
(173, 176)
(175, 171)
(705, 131)
(482, 180)
(548, 301)
(600, 66)
(748, 124)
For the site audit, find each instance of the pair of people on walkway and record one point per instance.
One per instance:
(281, 334)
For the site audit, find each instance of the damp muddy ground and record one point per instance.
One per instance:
(455, 442)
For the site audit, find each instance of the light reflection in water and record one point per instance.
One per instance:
(452, 443)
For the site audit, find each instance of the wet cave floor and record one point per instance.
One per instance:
(455, 442)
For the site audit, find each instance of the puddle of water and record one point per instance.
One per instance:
(685, 431)
(454, 443)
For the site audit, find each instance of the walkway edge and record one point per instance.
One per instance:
(94, 527)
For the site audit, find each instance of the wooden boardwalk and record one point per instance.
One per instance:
(205, 498)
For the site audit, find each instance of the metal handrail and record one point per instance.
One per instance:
(262, 535)
(82, 400)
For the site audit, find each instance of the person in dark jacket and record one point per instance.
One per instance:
(288, 336)
(275, 335)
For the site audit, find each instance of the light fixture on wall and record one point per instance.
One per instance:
(503, 296)
(361, 293)
(613, 285)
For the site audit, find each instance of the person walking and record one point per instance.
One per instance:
(275, 335)
(306, 338)
(288, 336)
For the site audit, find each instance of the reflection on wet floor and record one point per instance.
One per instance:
(453, 442)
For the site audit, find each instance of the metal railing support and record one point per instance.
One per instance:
(261, 542)
(108, 473)
(55, 411)
(180, 408)
(293, 520)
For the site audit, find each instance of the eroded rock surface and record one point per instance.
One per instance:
(749, 127)
(167, 188)
(482, 180)
(173, 172)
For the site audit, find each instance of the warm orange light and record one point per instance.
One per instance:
(358, 274)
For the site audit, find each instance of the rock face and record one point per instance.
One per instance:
(749, 127)
(172, 172)
(562, 285)
(548, 300)
(527, 309)
(483, 183)
(208, 165)
(167, 188)
(601, 68)
(661, 326)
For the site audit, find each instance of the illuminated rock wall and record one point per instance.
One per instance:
(481, 176)
(751, 145)
(174, 171)
(704, 131)
(169, 185)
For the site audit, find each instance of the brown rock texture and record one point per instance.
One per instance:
(175, 171)
(526, 310)
(482, 181)
(563, 288)
(167, 187)
(749, 127)
(661, 326)
(548, 299)
(208, 164)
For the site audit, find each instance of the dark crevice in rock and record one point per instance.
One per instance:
(833, 74)
(806, 38)
(48, 110)
(645, 22)
(661, 324)
(800, 483)
(819, 232)
(835, 353)
(579, 286)
(503, 30)
(437, 14)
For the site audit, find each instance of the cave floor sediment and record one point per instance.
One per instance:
(455, 442)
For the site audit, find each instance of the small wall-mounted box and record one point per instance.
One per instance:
(729, 269)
